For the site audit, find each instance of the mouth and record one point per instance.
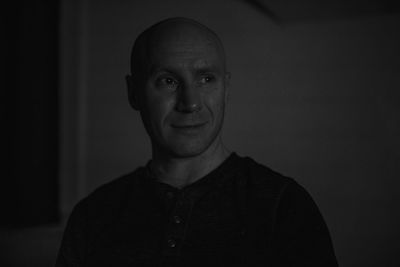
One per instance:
(189, 128)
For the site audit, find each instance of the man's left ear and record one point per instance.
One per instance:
(132, 92)
(227, 85)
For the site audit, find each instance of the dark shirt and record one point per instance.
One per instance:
(240, 214)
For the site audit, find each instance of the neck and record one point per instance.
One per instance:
(180, 172)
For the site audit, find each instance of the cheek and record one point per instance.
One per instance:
(158, 108)
(215, 101)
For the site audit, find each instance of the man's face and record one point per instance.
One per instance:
(184, 93)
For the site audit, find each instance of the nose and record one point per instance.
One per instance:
(189, 99)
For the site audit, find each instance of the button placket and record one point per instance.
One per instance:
(176, 219)
(176, 226)
(171, 243)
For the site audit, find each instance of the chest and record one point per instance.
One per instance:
(211, 231)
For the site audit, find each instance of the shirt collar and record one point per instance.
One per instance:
(213, 180)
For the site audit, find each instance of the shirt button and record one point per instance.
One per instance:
(171, 243)
(177, 219)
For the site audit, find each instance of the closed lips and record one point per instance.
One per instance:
(188, 125)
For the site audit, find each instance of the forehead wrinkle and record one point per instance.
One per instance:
(195, 69)
(190, 60)
(187, 62)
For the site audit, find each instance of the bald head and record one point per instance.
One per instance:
(172, 32)
(179, 84)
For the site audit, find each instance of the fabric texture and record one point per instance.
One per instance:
(240, 214)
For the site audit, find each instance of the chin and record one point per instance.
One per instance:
(188, 150)
(188, 145)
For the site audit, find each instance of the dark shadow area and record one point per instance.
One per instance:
(30, 188)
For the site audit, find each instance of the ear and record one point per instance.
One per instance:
(133, 95)
(227, 85)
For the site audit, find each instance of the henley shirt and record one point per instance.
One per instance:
(240, 214)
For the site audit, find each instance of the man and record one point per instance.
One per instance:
(195, 203)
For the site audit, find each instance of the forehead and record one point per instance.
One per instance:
(183, 46)
(185, 54)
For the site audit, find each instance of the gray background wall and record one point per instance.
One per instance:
(315, 97)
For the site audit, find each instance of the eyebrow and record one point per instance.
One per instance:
(206, 69)
(155, 70)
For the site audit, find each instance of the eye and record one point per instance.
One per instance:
(207, 79)
(167, 83)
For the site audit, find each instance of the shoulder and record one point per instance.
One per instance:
(107, 198)
(262, 180)
(118, 186)
(265, 183)
(92, 214)
(100, 209)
